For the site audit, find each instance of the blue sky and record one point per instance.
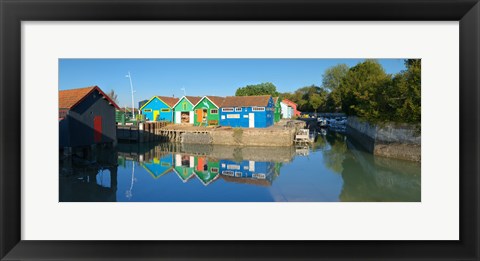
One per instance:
(199, 77)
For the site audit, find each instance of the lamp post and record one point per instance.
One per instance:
(131, 87)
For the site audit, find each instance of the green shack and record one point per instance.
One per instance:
(207, 111)
(278, 109)
(184, 109)
(206, 169)
(184, 166)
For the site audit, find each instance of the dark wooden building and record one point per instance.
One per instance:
(86, 117)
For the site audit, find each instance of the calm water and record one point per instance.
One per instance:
(332, 170)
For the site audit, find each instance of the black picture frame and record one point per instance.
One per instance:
(13, 12)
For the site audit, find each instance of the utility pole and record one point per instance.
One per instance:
(131, 87)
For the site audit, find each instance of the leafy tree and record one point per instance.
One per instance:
(362, 88)
(308, 98)
(405, 93)
(333, 76)
(266, 88)
(112, 95)
(365, 90)
(315, 100)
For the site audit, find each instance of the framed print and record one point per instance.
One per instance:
(239, 130)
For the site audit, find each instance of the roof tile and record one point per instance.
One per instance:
(217, 100)
(170, 101)
(193, 99)
(246, 101)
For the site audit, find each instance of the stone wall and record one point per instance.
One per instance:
(402, 141)
(239, 153)
(253, 137)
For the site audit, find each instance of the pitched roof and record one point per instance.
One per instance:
(217, 100)
(193, 99)
(170, 101)
(287, 101)
(246, 101)
(67, 99)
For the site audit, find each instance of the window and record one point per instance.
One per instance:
(165, 110)
(231, 166)
(233, 116)
(258, 108)
(184, 106)
(228, 172)
(214, 111)
(147, 110)
(238, 109)
(214, 170)
(227, 109)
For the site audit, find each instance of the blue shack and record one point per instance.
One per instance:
(248, 172)
(158, 167)
(159, 108)
(247, 111)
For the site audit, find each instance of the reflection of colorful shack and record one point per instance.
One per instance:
(158, 167)
(184, 166)
(249, 172)
(206, 169)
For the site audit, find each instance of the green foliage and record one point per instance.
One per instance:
(266, 88)
(362, 89)
(308, 98)
(368, 92)
(333, 76)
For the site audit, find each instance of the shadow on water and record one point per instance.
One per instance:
(334, 169)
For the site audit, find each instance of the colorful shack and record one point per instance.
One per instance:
(247, 111)
(287, 111)
(206, 169)
(206, 111)
(159, 108)
(184, 109)
(158, 167)
(184, 166)
(248, 172)
(296, 113)
(86, 117)
(278, 109)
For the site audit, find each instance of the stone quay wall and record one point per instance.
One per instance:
(401, 141)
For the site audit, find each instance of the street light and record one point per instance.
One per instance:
(131, 87)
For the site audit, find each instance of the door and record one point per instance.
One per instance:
(251, 120)
(190, 118)
(97, 129)
(178, 117)
(199, 115)
(155, 115)
(200, 164)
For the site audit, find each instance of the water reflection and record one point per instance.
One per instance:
(334, 169)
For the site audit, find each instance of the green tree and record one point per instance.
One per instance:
(308, 98)
(362, 88)
(333, 76)
(316, 101)
(266, 88)
(405, 93)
